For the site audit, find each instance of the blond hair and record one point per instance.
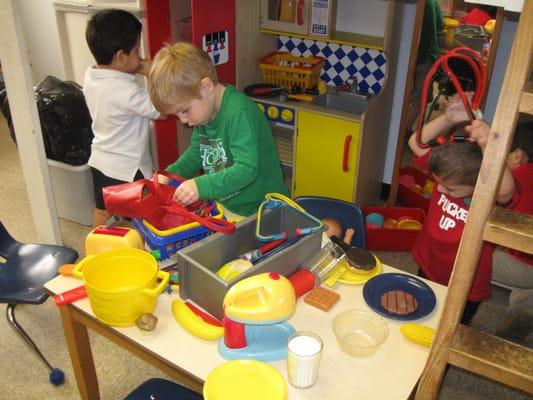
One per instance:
(176, 74)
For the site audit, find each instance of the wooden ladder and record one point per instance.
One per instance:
(456, 344)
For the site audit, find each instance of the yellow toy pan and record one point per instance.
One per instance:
(353, 278)
(245, 380)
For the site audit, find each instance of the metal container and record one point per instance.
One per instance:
(198, 263)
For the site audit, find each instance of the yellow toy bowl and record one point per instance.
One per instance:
(410, 224)
(121, 284)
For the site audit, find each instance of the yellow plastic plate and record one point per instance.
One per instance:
(353, 278)
(245, 380)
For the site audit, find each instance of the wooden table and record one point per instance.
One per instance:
(390, 373)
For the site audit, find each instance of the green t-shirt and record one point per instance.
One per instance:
(238, 155)
(432, 24)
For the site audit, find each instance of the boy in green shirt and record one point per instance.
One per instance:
(231, 139)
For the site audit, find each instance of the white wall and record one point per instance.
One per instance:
(403, 38)
(507, 35)
(361, 16)
(42, 38)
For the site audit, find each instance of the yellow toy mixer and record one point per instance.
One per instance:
(254, 313)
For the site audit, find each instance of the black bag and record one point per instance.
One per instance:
(4, 107)
(65, 121)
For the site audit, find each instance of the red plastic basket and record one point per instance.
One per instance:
(407, 197)
(393, 239)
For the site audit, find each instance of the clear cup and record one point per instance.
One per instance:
(323, 263)
(303, 360)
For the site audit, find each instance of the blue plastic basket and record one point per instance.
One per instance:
(169, 244)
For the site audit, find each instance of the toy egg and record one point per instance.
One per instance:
(375, 219)
(390, 223)
(409, 224)
(428, 187)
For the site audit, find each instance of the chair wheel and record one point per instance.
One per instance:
(56, 377)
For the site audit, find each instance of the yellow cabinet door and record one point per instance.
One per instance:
(327, 149)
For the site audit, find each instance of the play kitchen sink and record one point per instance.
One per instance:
(343, 101)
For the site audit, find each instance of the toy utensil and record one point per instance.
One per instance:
(253, 255)
(275, 200)
(277, 249)
(70, 296)
(357, 260)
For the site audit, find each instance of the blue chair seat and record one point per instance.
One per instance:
(162, 389)
(350, 215)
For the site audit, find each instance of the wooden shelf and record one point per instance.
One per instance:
(351, 39)
(493, 357)
(526, 103)
(510, 229)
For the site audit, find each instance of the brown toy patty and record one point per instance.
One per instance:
(399, 302)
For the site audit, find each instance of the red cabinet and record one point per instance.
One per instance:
(209, 24)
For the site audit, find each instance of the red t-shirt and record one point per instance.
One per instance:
(522, 201)
(437, 244)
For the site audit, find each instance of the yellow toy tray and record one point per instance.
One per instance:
(244, 380)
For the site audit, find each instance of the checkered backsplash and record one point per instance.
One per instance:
(342, 61)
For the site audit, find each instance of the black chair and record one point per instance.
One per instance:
(24, 269)
(162, 389)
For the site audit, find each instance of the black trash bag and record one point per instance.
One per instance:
(65, 121)
(4, 108)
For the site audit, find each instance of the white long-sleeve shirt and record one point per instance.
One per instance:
(121, 111)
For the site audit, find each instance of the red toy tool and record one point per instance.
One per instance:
(254, 255)
(70, 296)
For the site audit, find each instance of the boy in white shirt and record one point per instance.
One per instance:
(120, 109)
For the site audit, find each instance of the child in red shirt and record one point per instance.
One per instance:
(455, 167)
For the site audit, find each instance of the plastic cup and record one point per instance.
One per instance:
(303, 360)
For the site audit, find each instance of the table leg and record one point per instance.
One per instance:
(80, 354)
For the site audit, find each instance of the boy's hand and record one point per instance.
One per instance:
(455, 110)
(187, 192)
(144, 67)
(479, 132)
(163, 179)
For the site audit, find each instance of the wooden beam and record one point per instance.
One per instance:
(526, 104)
(510, 229)
(16, 71)
(493, 357)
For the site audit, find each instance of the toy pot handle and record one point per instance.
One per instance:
(77, 272)
(164, 276)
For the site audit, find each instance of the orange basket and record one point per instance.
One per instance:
(285, 70)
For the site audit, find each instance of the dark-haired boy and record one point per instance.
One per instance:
(455, 167)
(121, 109)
